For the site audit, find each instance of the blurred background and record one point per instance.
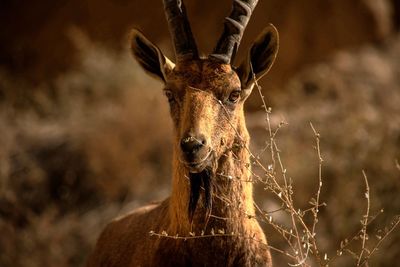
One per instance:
(85, 135)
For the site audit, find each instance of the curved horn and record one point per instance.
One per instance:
(234, 27)
(179, 27)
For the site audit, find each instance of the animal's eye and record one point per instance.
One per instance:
(169, 95)
(234, 96)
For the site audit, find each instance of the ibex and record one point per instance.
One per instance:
(209, 219)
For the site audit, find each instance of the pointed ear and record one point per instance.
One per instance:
(260, 57)
(149, 56)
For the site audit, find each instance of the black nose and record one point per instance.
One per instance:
(192, 144)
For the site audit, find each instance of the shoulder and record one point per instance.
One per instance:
(124, 235)
(124, 218)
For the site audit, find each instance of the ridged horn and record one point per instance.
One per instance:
(179, 27)
(234, 27)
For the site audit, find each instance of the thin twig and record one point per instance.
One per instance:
(365, 220)
(379, 243)
(316, 204)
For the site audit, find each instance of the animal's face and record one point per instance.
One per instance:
(206, 95)
(206, 100)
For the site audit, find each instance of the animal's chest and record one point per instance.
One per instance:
(207, 251)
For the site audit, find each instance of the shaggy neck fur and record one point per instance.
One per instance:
(224, 193)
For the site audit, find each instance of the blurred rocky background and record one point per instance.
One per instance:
(85, 135)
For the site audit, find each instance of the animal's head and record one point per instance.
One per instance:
(206, 95)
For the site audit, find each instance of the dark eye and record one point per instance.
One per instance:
(234, 96)
(169, 95)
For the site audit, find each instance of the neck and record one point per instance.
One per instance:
(231, 192)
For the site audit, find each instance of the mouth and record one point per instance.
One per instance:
(200, 165)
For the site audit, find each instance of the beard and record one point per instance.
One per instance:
(198, 181)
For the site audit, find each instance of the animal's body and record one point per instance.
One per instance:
(211, 202)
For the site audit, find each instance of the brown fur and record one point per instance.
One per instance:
(198, 90)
